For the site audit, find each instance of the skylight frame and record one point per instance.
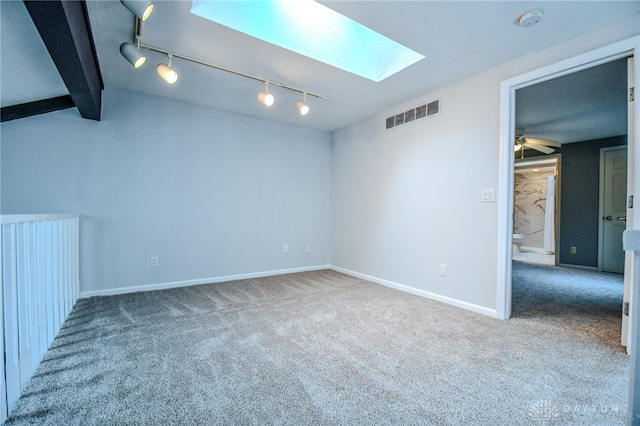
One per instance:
(311, 29)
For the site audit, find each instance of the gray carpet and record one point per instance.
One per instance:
(588, 303)
(325, 348)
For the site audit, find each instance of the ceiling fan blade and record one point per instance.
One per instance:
(545, 142)
(541, 148)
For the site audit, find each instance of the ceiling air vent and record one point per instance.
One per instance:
(423, 111)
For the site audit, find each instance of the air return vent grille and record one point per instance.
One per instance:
(423, 111)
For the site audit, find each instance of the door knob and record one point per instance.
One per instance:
(607, 218)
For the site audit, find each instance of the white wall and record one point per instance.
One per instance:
(404, 201)
(211, 193)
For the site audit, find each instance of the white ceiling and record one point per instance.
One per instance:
(458, 39)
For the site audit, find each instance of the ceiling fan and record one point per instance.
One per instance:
(541, 145)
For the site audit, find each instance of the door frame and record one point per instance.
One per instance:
(619, 50)
(601, 200)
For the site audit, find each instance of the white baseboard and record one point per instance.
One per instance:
(175, 284)
(186, 283)
(426, 294)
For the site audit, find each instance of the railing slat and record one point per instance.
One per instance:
(10, 299)
(24, 341)
(75, 257)
(67, 265)
(34, 325)
(40, 285)
(3, 383)
(56, 276)
(49, 282)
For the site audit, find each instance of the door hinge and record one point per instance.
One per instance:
(631, 94)
(625, 309)
(630, 202)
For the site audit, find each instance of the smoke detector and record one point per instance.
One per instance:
(530, 18)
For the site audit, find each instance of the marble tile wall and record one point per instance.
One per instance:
(530, 203)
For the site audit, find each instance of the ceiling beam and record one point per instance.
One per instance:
(28, 109)
(66, 31)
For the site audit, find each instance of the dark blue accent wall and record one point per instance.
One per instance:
(579, 208)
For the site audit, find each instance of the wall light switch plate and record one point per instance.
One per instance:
(489, 195)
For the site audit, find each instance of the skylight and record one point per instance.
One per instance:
(314, 30)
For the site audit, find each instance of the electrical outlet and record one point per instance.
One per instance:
(308, 250)
(573, 250)
(154, 261)
(285, 248)
(443, 270)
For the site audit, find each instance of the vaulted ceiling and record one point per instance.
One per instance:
(458, 39)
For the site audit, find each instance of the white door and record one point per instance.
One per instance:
(614, 207)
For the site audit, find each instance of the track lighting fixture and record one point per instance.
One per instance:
(132, 54)
(141, 8)
(301, 105)
(167, 73)
(266, 97)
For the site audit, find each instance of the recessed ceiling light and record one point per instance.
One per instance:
(530, 18)
(314, 30)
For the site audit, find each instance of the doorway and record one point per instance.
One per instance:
(536, 206)
(582, 95)
(505, 201)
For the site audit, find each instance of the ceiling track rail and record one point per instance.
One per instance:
(141, 45)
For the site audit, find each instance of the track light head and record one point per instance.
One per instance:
(266, 97)
(132, 54)
(167, 73)
(141, 8)
(302, 106)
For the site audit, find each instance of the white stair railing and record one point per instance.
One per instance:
(40, 285)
